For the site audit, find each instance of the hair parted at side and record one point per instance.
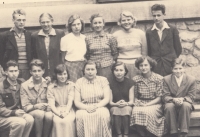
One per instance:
(36, 62)
(156, 7)
(71, 19)
(60, 69)
(18, 11)
(119, 63)
(48, 15)
(127, 14)
(11, 63)
(141, 59)
(178, 61)
(89, 62)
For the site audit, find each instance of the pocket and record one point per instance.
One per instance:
(8, 99)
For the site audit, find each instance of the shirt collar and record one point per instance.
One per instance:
(90, 81)
(55, 84)
(153, 77)
(165, 26)
(53, 32)
(13, 29)
(7, 84)
(102, 34)
(31, 84)
(180, 78)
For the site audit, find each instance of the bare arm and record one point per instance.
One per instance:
(155, 101)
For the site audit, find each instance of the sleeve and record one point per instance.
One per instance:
(33, 47)
(26, 103)
(50, 97)
(104, 82)
(113, 47)
(71, 92)
(144, 44)
(159, 88)
(4, 111)
(177, 43)
(148, 44)
(166, 97)
(87, 54)
(191, 93)
(63, 44)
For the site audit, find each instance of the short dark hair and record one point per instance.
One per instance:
(18, 11)
(60, 69)
(178, 61)
(119, 63)
(11, 63)
(89, 62)
(151, 61)
(156, 7)
(71, 19)
(36, 62)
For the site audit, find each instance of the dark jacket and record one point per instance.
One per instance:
(9, 49)
(39, 50)
(9, 99)
(171, 90)
(164, 51)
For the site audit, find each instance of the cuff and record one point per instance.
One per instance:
(13, 113)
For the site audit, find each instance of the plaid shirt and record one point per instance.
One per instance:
(148, 89)
(101, 48)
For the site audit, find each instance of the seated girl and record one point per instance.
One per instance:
(121, 99)
(92, 94)
(147, 116)
(60, 97)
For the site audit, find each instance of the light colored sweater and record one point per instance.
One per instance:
(131, 45)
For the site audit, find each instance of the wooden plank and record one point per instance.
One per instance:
(197, 107)
(195, 131)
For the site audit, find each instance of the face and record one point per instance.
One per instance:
(178, 70)
(19, 21)
(127, 22)
(62, 77)
(37, 72)
(158, 16)
(76, 26)
(46, 23)
(98, 24)
(90, 71)
(145, 67)
(119, 72)
(12, 73)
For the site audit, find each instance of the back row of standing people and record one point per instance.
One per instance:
(52, 46)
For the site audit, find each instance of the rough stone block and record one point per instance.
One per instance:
(189, 22)
(194, 71)
(187, 45)
(195, 27)
(196, 53)
(181, 25)
(192, 61)
(197, 43)
(188, 36)
(183, 57)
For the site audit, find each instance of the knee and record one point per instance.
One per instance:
(29, 119)
(48, 116)
(169, 107)
(38, 115)
(186, 106)
(19, 122)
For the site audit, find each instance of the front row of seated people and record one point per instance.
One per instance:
(48, 106)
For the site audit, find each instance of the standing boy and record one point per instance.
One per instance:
(163, 41)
